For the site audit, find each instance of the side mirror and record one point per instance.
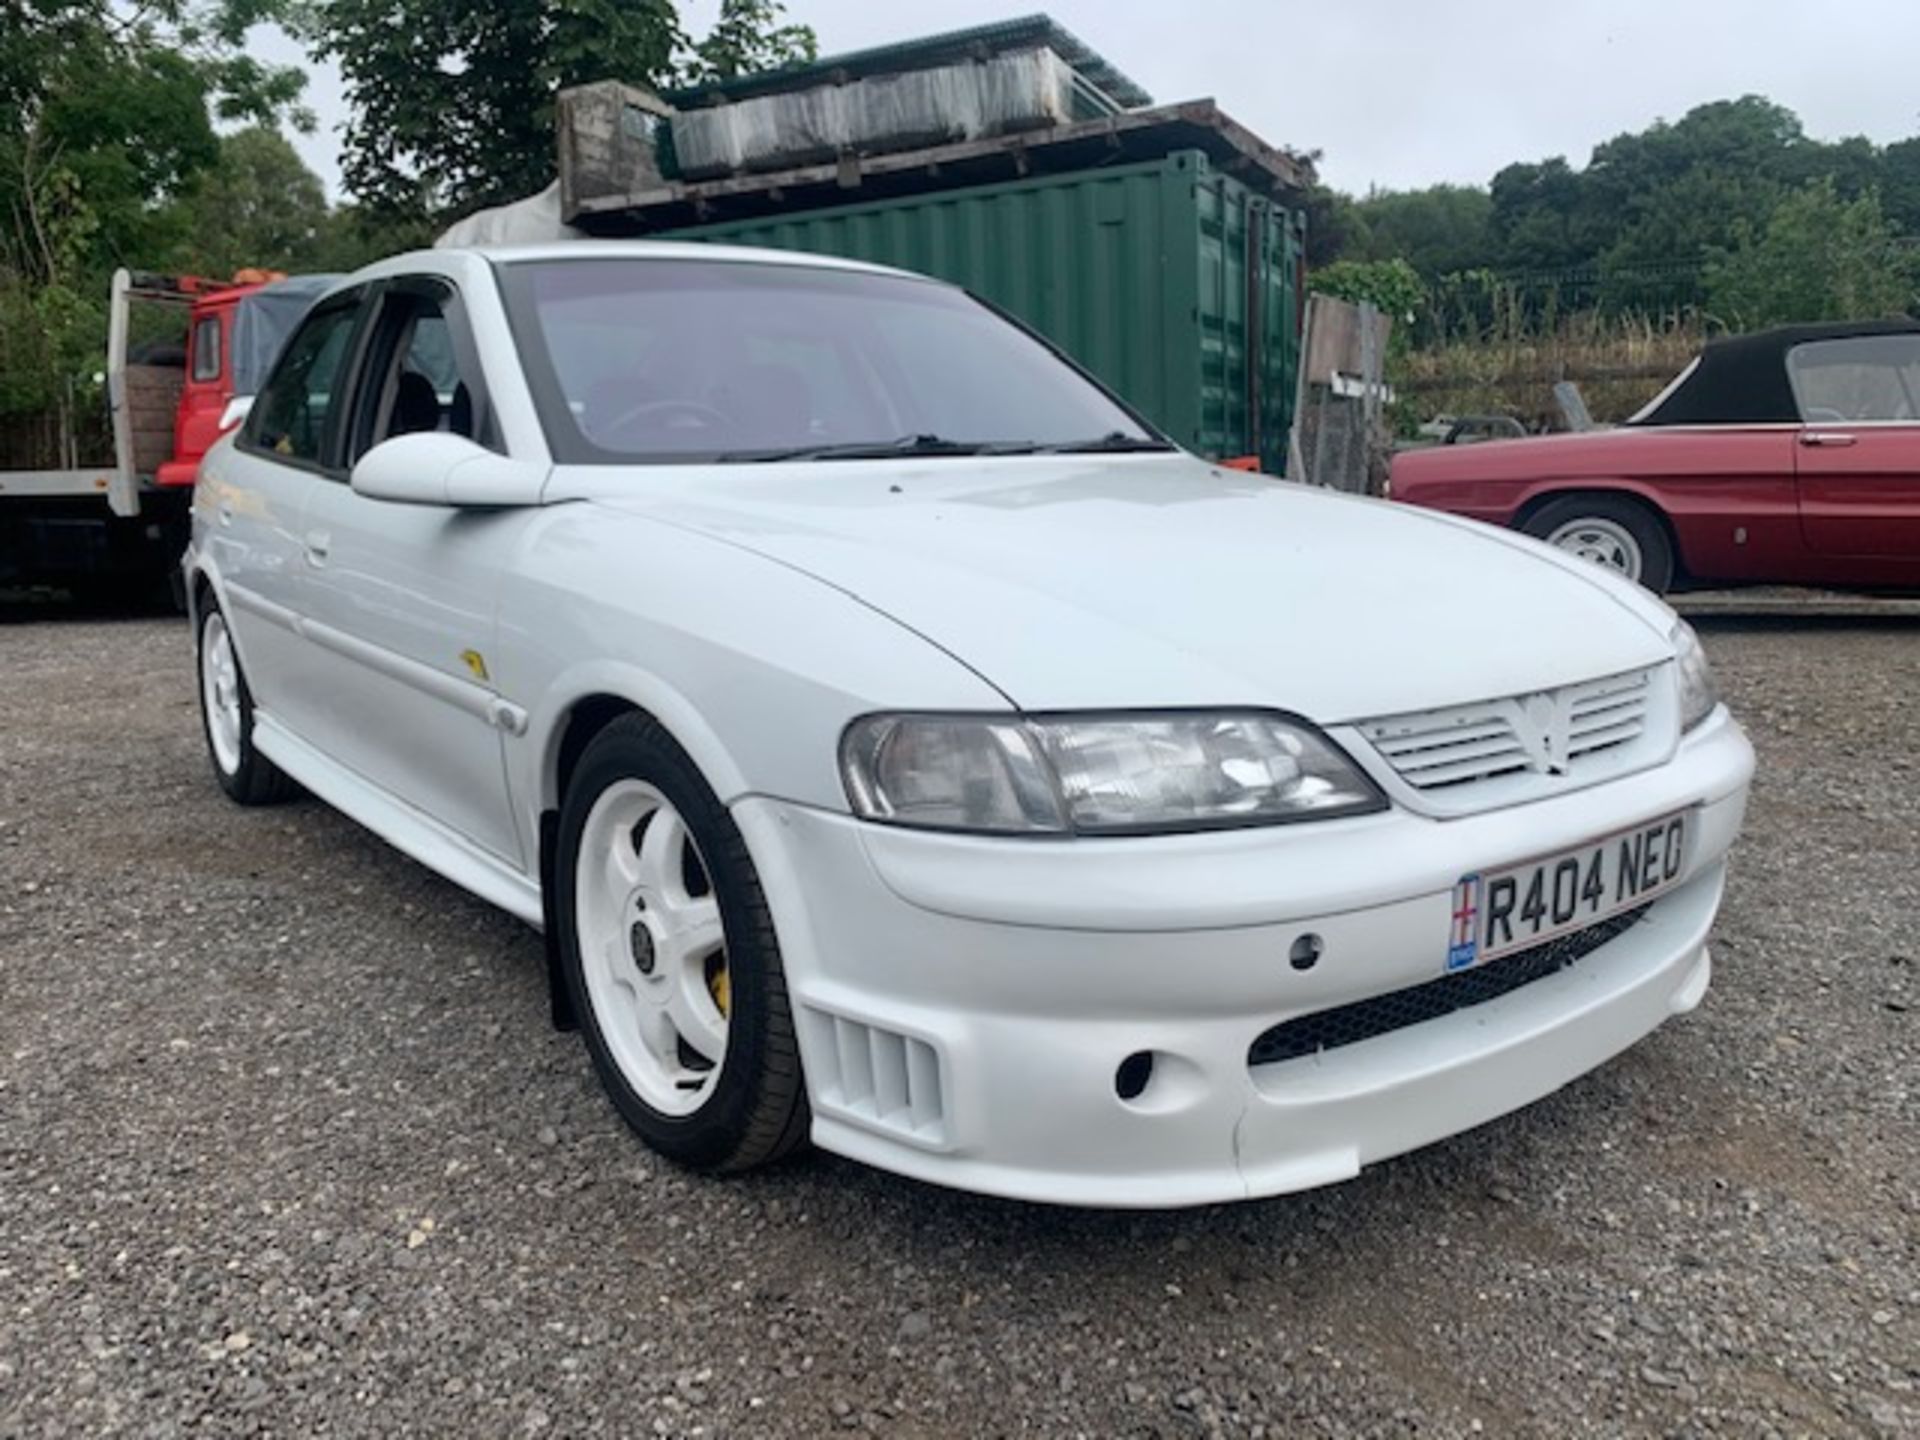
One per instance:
(432, 468)
(238, 408)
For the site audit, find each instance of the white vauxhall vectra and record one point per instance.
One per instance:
(904, 748)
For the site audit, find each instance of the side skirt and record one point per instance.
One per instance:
(401, 825)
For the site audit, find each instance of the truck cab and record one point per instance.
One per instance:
(184, 355)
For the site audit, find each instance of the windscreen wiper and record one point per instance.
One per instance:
(1112, 443)
(863, 450)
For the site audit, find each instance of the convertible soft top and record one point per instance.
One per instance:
(1742, 380)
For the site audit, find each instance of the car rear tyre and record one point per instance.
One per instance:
(670, 956)
(226, 717)
(1622, 535)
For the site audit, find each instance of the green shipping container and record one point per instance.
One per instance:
(1173, 282)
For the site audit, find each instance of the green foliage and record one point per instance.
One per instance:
(1334, 226)
(109, 132)
(1392, 286)
(452, 100)
(1900, 184)
(1536, 218)
(1438, 230)
(258, 205)
(1818, 256)
(1640, 228)
(746, 39)
(45, 44)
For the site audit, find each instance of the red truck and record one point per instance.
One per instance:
(184, 355)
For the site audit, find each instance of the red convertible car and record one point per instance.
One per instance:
(1786, 457)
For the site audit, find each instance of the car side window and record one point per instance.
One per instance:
(417, 377)
(1861, 378)
(301, 396)
(206, 348)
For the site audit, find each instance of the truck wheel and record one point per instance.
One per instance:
(226, 716)
(1621, 534)
(669, 952)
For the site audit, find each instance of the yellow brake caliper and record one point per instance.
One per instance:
(718, 985)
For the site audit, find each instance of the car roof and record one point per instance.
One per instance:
(632, 250)
(1742, 379)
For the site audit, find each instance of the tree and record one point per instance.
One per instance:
(1819, 257)
(1536, 217)
(1334, 226)
(110, 125)
(258, 205)
(453, 100)
(1900, 184)
(746, 39)
(46, 43)
(1438, 230)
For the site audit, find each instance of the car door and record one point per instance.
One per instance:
(401, 615)
(254, 496)
(1858, 468)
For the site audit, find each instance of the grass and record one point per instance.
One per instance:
(1619, 362)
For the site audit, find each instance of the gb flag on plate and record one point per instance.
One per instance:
(1466, 923)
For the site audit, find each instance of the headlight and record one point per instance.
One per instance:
(1098, 774)
(1697, 693)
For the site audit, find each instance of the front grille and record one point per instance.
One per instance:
(1367, 1019)
(1461, 744)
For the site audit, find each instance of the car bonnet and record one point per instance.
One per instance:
(1120, 582)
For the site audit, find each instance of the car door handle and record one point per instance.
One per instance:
(318, 543)
(225, 511)
(1834, 439)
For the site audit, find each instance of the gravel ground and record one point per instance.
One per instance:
(287, 1146)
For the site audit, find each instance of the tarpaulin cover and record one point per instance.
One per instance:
(263, 320)
(521, 222)
(1019, 90)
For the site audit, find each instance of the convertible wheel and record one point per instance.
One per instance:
(669, 952)
(226, 715)
(1622, 535)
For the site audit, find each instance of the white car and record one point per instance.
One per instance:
(903, 747)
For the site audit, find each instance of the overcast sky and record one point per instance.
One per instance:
(1403, 93)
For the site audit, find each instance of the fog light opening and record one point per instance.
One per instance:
(1131, 1079)
(1306, 952)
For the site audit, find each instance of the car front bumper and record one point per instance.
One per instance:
(965, 1003)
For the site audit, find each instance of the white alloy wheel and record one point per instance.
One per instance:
(1604, 542)
(652, 950)
(220, 694)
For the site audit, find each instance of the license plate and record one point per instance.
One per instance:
(1496, 912)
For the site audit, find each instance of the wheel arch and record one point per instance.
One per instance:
(199, 591)
(583, 703)
(1612, 489)
(204, 587)
(587, 698)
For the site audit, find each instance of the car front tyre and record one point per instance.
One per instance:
(226, 718)
(669, 952)
(1621, 534)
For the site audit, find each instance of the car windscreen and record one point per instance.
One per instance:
(658, 360)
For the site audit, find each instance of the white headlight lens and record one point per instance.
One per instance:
(1698, 695)
(1098, 774)
(949, 773)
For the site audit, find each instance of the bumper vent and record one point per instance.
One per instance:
(1556, 733)
(1383, 1014)
(887, 1080)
